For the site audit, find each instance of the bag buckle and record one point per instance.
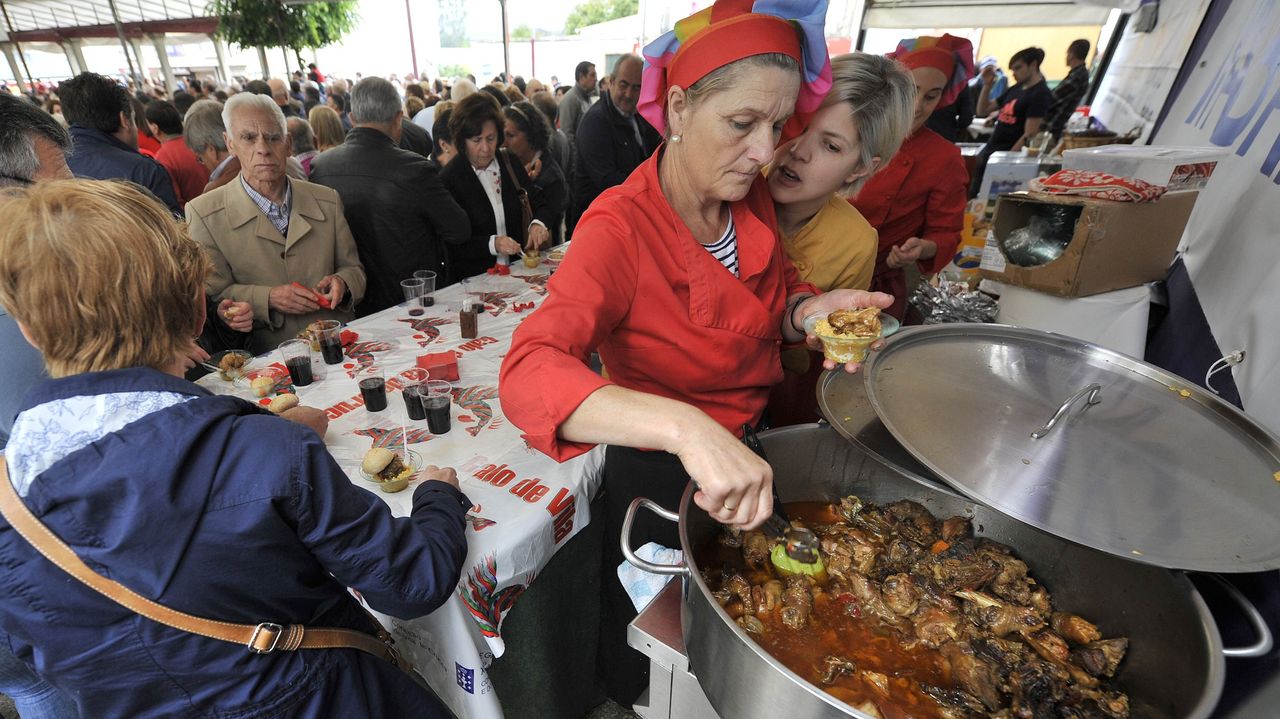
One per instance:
(275, 631)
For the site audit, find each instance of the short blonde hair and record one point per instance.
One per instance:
(100, 274)
(327, 126)
(881, 96)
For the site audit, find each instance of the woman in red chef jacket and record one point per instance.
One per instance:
(678, 279)
(916, 201)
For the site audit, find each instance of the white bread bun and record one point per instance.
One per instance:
(376, 460)
(283, 402)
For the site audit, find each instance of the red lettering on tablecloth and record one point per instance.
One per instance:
(498, 476)
(530, 490)
(477, 343)
(562, 508)
(343, 407)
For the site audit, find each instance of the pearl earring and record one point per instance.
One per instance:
(675, 138)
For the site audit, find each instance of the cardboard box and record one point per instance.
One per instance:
(1115, 244)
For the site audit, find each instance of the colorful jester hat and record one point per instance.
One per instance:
(731, 30)
(950, 55)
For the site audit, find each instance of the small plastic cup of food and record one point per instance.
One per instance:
(531, 258)
(231, 364)
(262, 381)
(389, 469)
(839, 348)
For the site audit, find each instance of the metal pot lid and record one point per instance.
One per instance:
(1139, 463)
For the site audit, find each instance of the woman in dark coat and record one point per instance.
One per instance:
(528, 136)
(484, 180)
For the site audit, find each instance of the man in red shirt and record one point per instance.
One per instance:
(189, 176)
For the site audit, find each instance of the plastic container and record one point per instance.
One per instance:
(1176, 168)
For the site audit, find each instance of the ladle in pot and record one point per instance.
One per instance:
(801, 544)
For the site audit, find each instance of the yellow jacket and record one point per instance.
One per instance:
(834, 250)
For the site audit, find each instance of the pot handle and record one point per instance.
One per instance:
(1259, 648)
(625, 539)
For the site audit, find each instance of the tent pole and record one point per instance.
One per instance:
(137, 73)
(31, 80)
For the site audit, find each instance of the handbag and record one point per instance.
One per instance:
(262, 638)
(526, 209)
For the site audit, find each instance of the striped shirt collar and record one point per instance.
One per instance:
(278, 214)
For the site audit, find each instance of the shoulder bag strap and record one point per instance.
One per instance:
(526, 209)
(262, 638)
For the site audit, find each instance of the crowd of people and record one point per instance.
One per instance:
(719, 190)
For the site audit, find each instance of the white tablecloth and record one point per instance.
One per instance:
(525, 504)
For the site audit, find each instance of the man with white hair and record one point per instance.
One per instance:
(399, 211)
(280, 93)
(460, 90)
(281, 244)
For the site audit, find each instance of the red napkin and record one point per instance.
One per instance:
(321, 300)
(1099, 185)
(440, 365)
(348, 338)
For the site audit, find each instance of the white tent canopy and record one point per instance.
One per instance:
(909, 14)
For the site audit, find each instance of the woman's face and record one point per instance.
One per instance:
(482, 148)
(930, 83)
(517, 142)
(727, 136)
(823, 160)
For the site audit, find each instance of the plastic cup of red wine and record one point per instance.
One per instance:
(297, 358)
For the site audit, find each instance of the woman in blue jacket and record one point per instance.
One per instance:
(205, 504)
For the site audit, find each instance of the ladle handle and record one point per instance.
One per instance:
(625, 539)
(1092, 390)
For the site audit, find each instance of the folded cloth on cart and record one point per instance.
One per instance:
(642, 586)
(1098, 185)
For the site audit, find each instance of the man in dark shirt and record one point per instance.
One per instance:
(1068, 94)
(1022, 108)
(105, 138)
(400, 213)
(612, 138)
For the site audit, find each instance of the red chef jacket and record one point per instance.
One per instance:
(666, 317)
(920, 193)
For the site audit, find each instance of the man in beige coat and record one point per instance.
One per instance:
(265, 232)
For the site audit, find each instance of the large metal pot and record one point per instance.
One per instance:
(1174, 668)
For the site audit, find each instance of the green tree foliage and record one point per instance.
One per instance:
(597, 11)
(453, 71)
(270, 23)
(524, 32)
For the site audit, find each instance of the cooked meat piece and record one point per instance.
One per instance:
(914, 522)
(954, 528)
(997, 617)
(954, 702)
(730, 537)
(846, 549)
(1011, 583)
(755, 549)
(900, 594)
(855, 323)
(1037, 687)
(740, 588)
(1101, 658)
(935, 627)
(871, 602)
(834, 667)
(974, 674)
(902, 556)
(751, 623)
(1054, 649)
(797, 602)
(393, 469)
(770, 596)
(721, 596)
(877, 681)
(1074, 629)
(849, 508)
(1040, 602)
(959, 567)
(1004, 653)
(936, 594)
(1092, 704)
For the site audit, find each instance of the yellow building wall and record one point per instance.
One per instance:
(1003, 42)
